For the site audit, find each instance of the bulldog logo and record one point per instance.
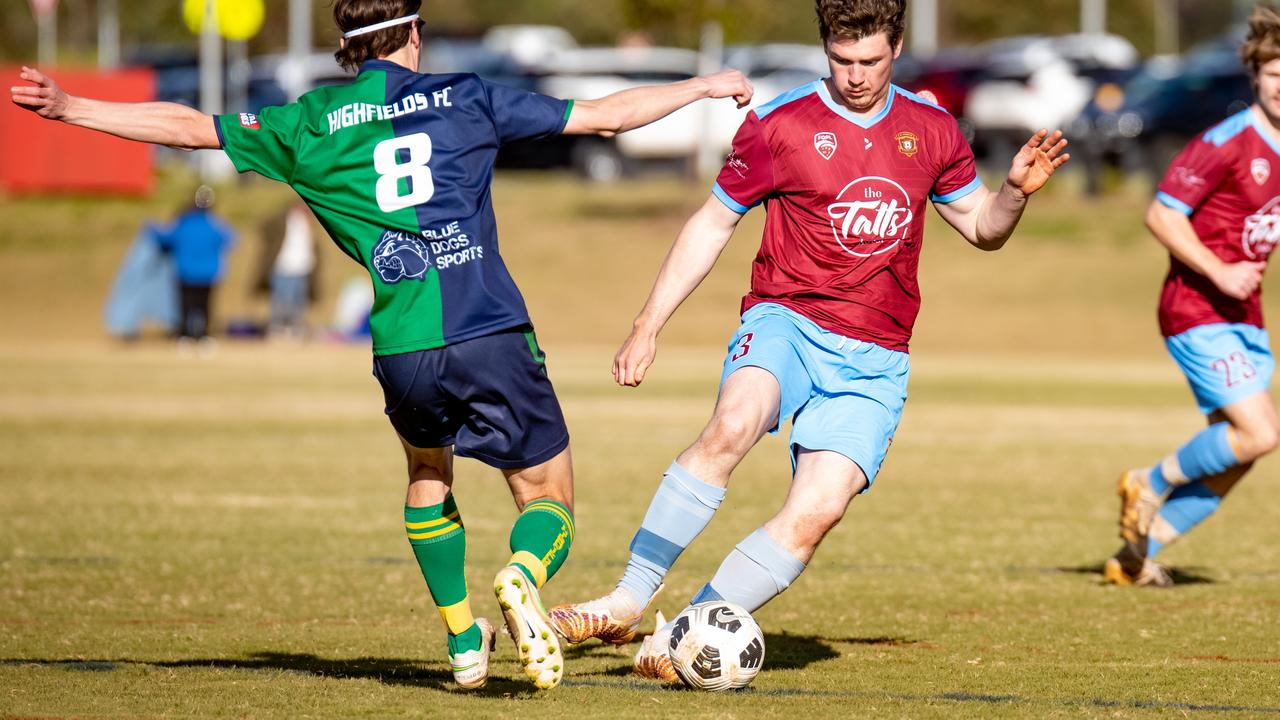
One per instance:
(825, 144)
(399, 255)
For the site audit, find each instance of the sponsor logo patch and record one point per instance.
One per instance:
(1261, 231)
(399, 256)
(1187, 176)
(825, 144)
(872, 215)
(738, 165)
(249, 120)
(1260, 169)
(908, 143)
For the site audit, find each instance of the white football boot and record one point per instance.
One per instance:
(471, 668)
(529, 628)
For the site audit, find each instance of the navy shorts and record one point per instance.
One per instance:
(489, 398)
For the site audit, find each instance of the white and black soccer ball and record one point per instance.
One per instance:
(716, 646)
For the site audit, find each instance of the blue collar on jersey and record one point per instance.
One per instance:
(836, 107)
(376, 64)
(1262, 131)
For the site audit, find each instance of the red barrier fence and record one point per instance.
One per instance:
(38, 156)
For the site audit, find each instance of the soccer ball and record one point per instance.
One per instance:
(716, 646)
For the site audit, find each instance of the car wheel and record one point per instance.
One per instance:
(598, 161)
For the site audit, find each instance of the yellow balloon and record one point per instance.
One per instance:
(237, 19)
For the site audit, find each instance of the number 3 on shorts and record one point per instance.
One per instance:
(744, 347)
(386, 161)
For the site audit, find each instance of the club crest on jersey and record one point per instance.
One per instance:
(249, 121)
(1260, 169)
(1261, 231)
(825, 144)
(399, 255)
(908, 143)
(872, 215)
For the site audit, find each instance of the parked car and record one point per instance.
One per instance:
(949, 76)
(1038, 82)
(1144, 123)
(599, 71)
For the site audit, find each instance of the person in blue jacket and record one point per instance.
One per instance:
(198, 242)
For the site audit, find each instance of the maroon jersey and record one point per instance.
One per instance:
(844, 204)
(1224, 181)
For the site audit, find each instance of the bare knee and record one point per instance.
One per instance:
(728, 434)
(429, 466)
(1255, 441)
(801, 533)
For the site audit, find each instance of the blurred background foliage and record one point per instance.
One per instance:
(673, 22)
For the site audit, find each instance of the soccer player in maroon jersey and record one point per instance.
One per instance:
(843, 167)
(1218, 213)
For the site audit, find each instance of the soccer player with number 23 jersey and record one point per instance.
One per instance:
(1217, 211)
(397, 166)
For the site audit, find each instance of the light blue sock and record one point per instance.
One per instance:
(1186, 507)
(1205, 455)
(755, 572)
(680, 509)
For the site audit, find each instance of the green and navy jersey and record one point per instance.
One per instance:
(397, 167)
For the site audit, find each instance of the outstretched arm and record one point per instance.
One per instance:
(630, 109)
(161, 123)
(692, 256)
(987, 219)
(1174, 231)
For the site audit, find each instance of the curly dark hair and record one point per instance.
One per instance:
(1263, 44)
(858, 19)
(351, 14)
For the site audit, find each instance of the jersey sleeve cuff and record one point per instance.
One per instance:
(1172, 202)
(564, 120)
(729, 202)
(955, 195)
(217, 128)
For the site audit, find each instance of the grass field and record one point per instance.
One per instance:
(220, 537)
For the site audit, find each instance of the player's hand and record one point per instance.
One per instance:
(44, 97)
(730, 83)
(1037, 160)
(1239, 280)
(634, 358)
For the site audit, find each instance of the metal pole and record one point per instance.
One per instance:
(1167, 27)
(924, 28)
(238, 75)
(210, 76)
(1093, 17)
(299, 81)
(47, 38)
(108, 35)
(710, 60)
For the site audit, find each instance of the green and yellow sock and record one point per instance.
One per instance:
(540, 539)
(440, 545)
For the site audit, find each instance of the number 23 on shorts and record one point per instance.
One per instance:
(1235, 369)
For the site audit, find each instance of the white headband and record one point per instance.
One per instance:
(380, 26)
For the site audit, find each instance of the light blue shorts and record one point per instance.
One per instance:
(1224, 362)
(842, 394)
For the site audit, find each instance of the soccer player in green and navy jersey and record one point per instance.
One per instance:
(397, 167)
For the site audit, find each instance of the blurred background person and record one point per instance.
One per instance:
(145, 289)
(198, 242)
(287, 269)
